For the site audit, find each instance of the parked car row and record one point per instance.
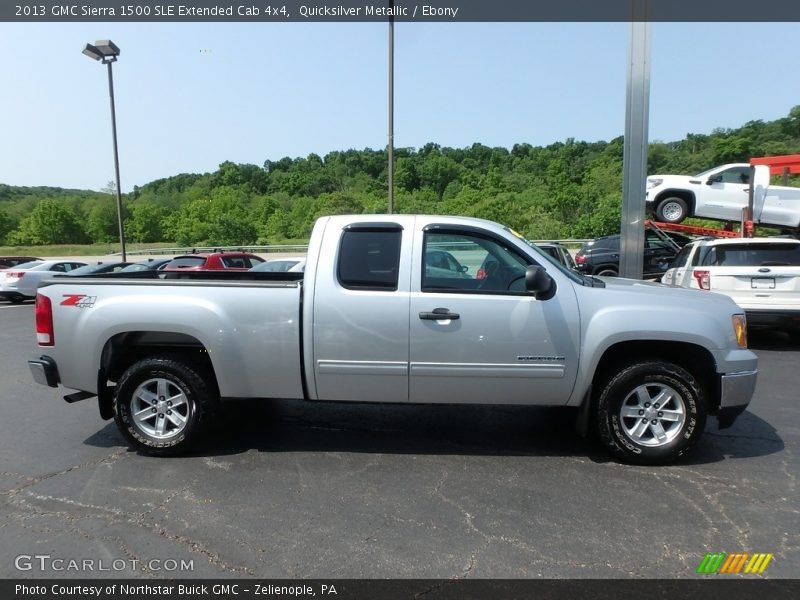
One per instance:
(601, 256)
(20, 276)
(762, 275)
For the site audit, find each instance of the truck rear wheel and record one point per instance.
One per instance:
(651, 413)
(162, 404)
(672, 210)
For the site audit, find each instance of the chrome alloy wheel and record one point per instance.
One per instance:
(653, 414)
(159, 408)
(672, 211)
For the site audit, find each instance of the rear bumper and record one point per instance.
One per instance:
(736, 390)
(44, 371)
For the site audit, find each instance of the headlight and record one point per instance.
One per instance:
(651, 183)
(740, 330)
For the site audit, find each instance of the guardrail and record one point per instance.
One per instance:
(277, 248)
(199, 249)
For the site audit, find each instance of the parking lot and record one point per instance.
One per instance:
(305, 490)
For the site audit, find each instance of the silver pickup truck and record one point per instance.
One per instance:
(404, 309)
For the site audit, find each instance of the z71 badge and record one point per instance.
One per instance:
(79, 300)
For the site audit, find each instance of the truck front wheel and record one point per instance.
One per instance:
(651, 413)
(162, 404)
(672, 210)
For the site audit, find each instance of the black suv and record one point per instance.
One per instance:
(601, 256)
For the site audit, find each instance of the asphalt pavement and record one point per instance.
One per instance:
(290, 489)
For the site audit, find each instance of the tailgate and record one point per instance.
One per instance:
(758, 287)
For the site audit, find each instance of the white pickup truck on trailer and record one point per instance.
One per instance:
(721, 193)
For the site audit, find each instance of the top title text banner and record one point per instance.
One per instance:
(400, 10)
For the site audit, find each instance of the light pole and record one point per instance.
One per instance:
(107, 52)
(391, 110)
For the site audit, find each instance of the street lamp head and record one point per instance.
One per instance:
(104, 50)
(107, 48)
(92, 52)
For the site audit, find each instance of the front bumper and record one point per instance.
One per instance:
(736, 390)
(44, 371)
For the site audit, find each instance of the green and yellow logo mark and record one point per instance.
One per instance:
(738, 562)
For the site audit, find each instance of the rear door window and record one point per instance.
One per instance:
(682, 258)
(234, 262)
(369, 258)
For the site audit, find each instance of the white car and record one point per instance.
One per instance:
(762, 275)
(284, 264)
(21, 282)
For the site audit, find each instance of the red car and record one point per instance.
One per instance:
(216, 261)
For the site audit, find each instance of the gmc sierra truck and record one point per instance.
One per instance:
(377, 316)
(721, 193)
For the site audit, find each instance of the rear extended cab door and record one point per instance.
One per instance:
(356, 304)
(476, 335)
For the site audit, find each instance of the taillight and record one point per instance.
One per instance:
(44, 321)
(481, 274)
(580, 259)
(15, 274)
(703, 279)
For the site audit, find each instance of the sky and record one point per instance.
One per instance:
(192, 95)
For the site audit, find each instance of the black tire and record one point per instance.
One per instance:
(672, 210)
(620, 394)
(184, 383)
(794, 336)
(606, 272)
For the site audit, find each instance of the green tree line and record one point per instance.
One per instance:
(567, 189)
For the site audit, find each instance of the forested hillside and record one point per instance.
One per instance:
(567, 189)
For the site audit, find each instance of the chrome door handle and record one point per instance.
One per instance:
(439, 314)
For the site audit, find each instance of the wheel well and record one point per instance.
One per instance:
(695, 359)
(683, 194)
(124, 349)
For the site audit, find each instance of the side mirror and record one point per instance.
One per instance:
(463, 269)
(538, 282)
(714, 179)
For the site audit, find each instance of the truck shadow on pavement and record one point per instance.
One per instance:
(766, 339)
(298, 426)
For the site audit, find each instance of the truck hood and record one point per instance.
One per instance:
(677, 178)
(669, 294)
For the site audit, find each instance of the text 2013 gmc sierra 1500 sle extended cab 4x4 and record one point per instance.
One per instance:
(373, 319)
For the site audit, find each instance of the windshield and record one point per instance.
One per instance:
(136, 267)
(86, 270)
(706, 172)
(576, 277)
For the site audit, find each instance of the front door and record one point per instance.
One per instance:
(476, 336)
(727, 195)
